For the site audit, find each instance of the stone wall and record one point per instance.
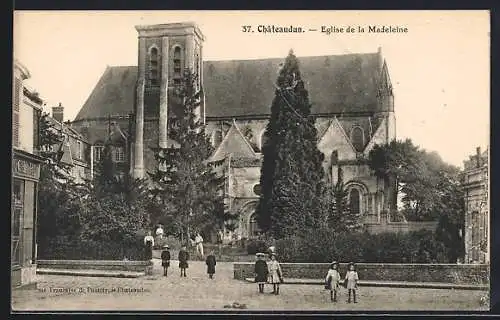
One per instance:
(445, 273)
(137, 266)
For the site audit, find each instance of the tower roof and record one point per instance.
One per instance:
(243, 88)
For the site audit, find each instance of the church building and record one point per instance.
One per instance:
(351, 96)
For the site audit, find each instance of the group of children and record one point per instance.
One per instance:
(270, 272)
(183, 261)
(333, 278)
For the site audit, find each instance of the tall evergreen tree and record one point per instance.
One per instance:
(292, 182)
(185, 181)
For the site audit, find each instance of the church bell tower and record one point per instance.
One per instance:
(165, 51)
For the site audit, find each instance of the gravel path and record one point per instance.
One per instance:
(197, 292)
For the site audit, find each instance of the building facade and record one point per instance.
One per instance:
(26, 111)
(352, 102)
(74, 150)
(477, 222)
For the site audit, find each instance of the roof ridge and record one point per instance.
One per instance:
(298, 57)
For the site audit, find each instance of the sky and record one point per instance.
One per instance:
(440, 68)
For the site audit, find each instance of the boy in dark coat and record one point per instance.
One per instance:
(183, 260)
(211, 264)
(165, 259)
(261, 271)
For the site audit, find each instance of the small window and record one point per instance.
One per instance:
(79, 150)
(358, 138)
(119, 154)
(98, 152)
(257, 189)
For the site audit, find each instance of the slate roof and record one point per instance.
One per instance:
(336, 84)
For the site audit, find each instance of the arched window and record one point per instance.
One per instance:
(358, 138)
(217, 138)
(354, 201)
(253, 226)
(177, 66)
(153, 66)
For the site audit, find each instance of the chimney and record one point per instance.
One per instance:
(58, 113)
(380, 59)
(478, 157)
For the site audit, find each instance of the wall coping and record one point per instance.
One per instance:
(464, 265)
(94, 262)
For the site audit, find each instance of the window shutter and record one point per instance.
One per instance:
(16, 98)
(15, 111)
(15, 129)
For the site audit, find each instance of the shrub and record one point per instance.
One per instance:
(173, 243)
(60, 249)
(323, 246)
(254, 246)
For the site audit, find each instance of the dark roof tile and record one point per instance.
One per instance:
(336, 84)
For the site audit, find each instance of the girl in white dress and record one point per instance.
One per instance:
(332, 281)
(275, 275)
(351, 279)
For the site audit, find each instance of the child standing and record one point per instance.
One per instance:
(165, 259)
(275, 275)
(332, 281)
(261, 271)
(211, 264)
(183, 260)
(351, 279)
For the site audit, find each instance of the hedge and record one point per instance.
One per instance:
(323, 246)
(60, 249)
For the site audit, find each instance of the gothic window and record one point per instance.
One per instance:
(358, 138)
(217, 138)
(177, 65)
(354, 201)
(153, 66)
